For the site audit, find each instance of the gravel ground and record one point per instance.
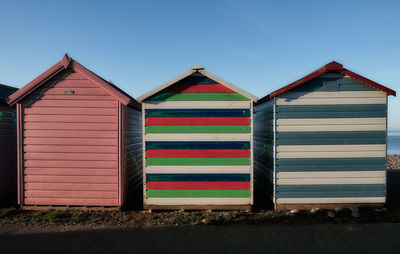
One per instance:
(393, 162)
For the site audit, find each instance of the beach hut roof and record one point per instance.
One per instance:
(197, 69)
(330, 67)
(67, 63)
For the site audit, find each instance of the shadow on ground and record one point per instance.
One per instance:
(359, 238)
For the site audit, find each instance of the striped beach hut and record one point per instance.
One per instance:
(8, 148)
(79, 140)
(198, 144)
(322, 141)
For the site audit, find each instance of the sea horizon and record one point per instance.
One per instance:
(393, 142)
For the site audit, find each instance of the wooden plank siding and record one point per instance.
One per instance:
(330, 146)
(198, 147)
(8, 149)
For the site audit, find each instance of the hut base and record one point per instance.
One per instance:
(322, 206)
(198, 207)
(46, 207)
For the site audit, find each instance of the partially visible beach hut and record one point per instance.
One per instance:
(321, 141)
(8, 148)
(79, 140)
(198, 144)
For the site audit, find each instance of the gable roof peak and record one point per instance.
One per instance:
(197, 67)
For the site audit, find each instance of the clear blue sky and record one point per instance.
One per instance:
(259, 46)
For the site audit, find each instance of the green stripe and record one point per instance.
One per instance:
(197, 193)
(197, 161)
(198, 97)
(198, 129)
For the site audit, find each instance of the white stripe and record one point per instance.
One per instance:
(362, 154)
(198, 201)
(330, 200)
(302, 127)
(197, 169)
(339, 95)
(332, 121)
(329, 174)
(198, 137)
(197, 104)
(330, 148)
(318, 181)
(331, 101)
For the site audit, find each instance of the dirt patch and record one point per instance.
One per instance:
(14, 221)
(393, 162)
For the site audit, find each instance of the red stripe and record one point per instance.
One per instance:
(197, 120)
(198, 185)
(198, 153)
(200, 88)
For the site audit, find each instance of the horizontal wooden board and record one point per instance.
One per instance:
(196, 105)
(199, 153)
(330, 174)
(198, 129)
(198, 185)
(333, 108)
(327, 162)
(70, 119)
(198, 145)
(76, 103)
(197, 161)
(197, 97)
(198, 88)
(327, 194)
(312, 181)
(71, 126)
(312, 128)
(197, 177)
(71, 186)
(71, 201)
(197, 201)
(70, 194)
(70, 164)
(331, 168)
(198, 137)
(71, 156)
(330, 101)
(331, 121)
(101, 97)
(71, 171)
(77, 91)
(329, 141)
(330, 200)
(70, 179)
(71, 111)
(70, 134)
(331, 188)
(358, 154)
(75, 83)
(197, 193)
(337, 95)
(330, 148)
(197, 120)
(197, 112)
(366, 114)
(196, 169)
(71, 141)
(69, 149)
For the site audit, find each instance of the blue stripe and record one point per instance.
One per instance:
(197, 177)
(197, 112)
(333, 108)
(344, 85)
(196, 80)
(350, 194)
(331, 138)
(198, 145)
(331, 187)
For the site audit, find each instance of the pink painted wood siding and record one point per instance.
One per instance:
(132, 155)
(70, 144)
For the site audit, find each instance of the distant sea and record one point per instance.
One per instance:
(393, 142)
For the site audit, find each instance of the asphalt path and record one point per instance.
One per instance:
(350, 238)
